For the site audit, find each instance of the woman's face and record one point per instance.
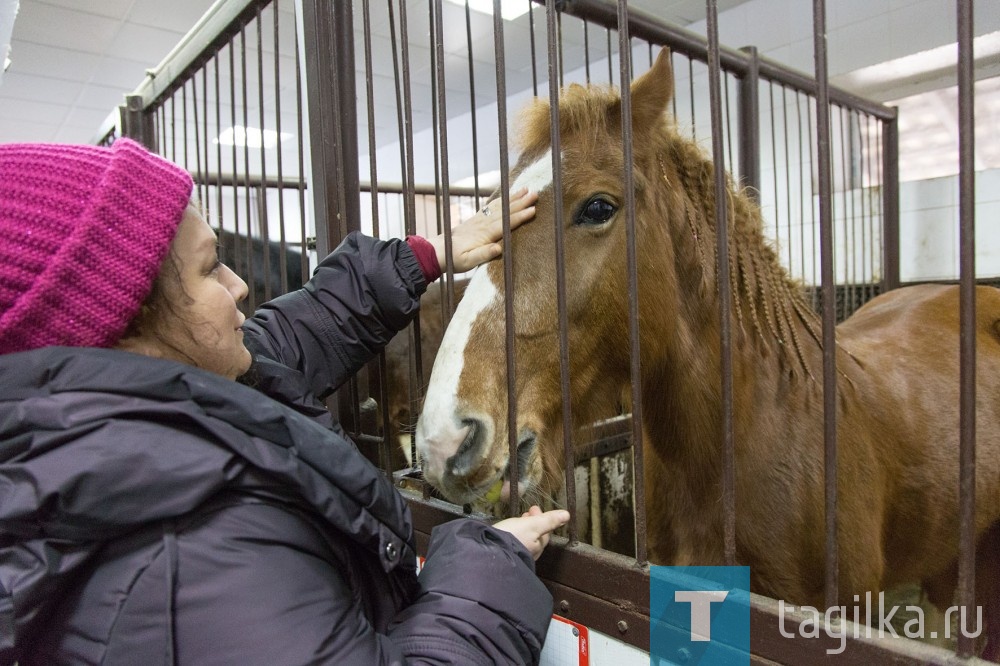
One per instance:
(196, 321)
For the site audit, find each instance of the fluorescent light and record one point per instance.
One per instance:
(918, 65)
(251, 137)
(509, 9)
(6, 63)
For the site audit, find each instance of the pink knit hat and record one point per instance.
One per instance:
(83, 231)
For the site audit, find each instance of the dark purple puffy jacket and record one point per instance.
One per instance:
(153, 513)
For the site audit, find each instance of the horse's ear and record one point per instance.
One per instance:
(651, 92)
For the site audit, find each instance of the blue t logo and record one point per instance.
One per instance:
(699, 616)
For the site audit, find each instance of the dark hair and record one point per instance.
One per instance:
(161, 304)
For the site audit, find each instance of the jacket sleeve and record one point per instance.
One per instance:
(359, 297)
(265, 601)
(479, 602)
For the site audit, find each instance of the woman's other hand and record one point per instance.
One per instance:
(534, 527)
(477, 239)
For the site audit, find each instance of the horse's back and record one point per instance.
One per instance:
(924, 314)
(904, 361)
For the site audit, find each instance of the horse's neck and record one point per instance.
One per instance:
(775, 334)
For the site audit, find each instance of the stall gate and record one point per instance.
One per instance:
(304, 120)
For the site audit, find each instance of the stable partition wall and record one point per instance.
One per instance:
(303, 121)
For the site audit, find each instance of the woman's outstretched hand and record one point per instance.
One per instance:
(534, 527)
(476, 240)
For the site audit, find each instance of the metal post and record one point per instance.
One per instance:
(330, 96)
(749, 120)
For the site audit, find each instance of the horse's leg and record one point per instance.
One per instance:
(988, 589)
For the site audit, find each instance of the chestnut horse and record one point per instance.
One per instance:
(897, 366)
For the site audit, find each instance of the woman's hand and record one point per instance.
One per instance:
(534, 527)
(475, 240)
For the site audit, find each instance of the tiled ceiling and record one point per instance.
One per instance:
(72, 61)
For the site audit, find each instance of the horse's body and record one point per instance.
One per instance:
(897, 383)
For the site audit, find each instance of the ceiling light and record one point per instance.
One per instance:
(6, 63)
(509, 9)
(918, 66)
(250, 137)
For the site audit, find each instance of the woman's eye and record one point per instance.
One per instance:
(596, 211)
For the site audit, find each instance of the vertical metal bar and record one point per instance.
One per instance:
(586, 49)
(184, 124)
(967, 316)
(694, 123)
(788, 174)
(500, 58)
(197, 141)
(218, 145)
(829, 333)
(812, 207)
(724, 290)
(248, 209)
(207, 142)
(632, 263)
(300, 139)
(173, 128)
(554, 55)
(237, 256)
(728, 122)
(848, 247)
(534, 55)
(282, 240)
(890, 204)
(749, 120)
(871, 217)
(372, 146)
(265, 235)
(611, 71)
(803, 173)
(333, 136)
(774, 159)
(472, 104)
(133, 119)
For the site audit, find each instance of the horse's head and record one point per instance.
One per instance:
(462, 435)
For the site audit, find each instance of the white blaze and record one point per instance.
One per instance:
(537, 176)
(439, 430)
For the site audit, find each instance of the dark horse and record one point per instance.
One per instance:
(897, 364)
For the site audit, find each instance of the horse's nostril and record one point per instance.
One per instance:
(467, 456)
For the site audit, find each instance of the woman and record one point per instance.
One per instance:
(154, 510)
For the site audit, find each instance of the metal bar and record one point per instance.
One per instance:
(632, 266)
(829, 301)
(204, 119)
(724, 289)
(890, 204)
(967, 331)
(554, 67)
(774, 157)
(372, 145)
(472, 102)
(330, 92)
(184, 124)
(261, 192)
(788, 174)
(237, 257)
(250, 272)
(300, 139)
(282, 240)
(133, 118)
(803, 173)
(197, 136)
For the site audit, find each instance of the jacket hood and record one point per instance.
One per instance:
(95, 443)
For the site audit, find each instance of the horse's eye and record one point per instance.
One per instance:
(597, 210)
